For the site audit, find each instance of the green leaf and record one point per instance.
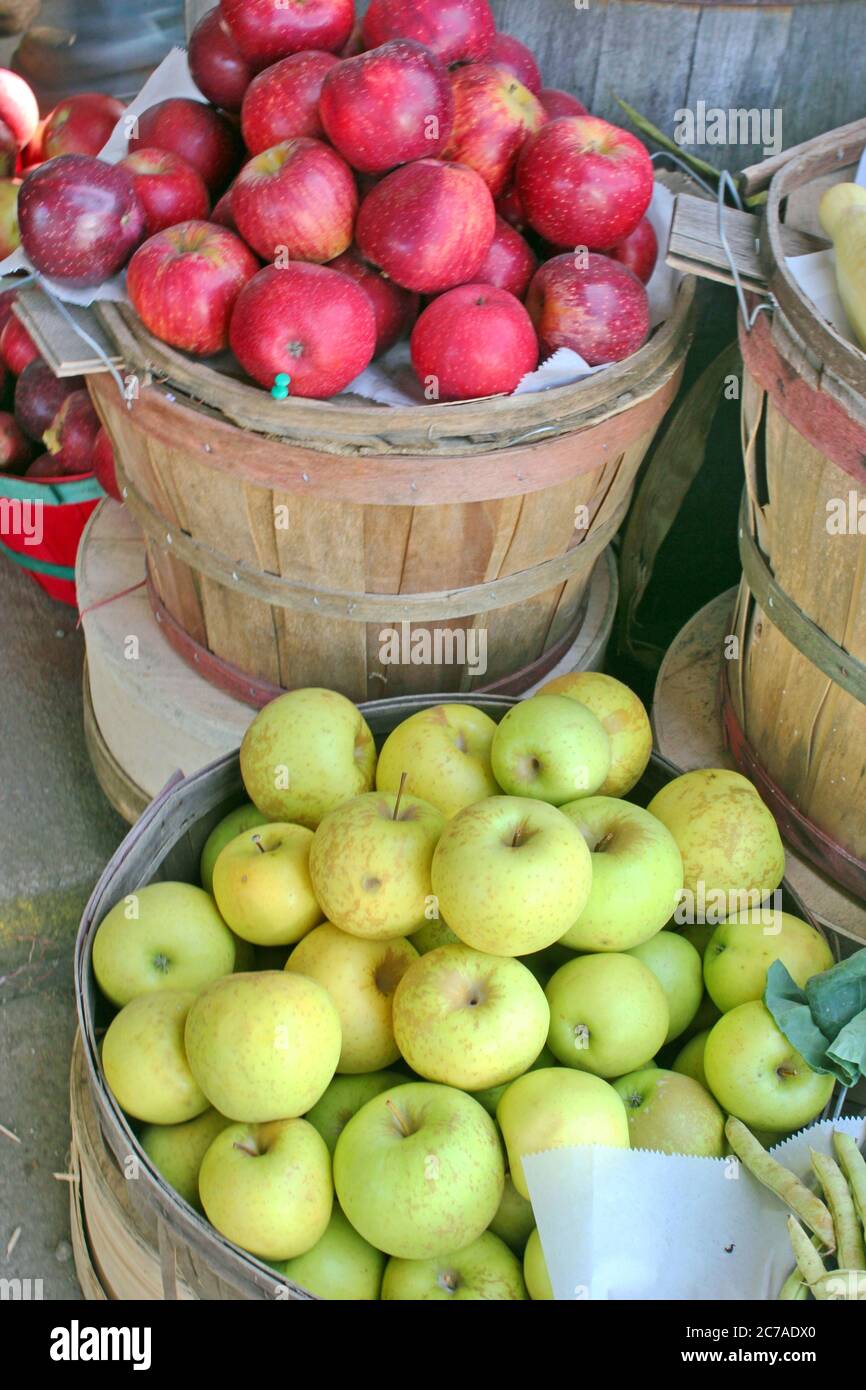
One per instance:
(790, 1009)
(826, 1021)
(837, 995)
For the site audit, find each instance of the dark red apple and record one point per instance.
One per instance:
(82, 124)
(639, 251)
(7, 300)
(17, 348)
(15, 448)
(494, 114)
(584, 182)
(456, 30)
(39, 395)
(18, 107)
(296, 201)
(200, 135)
(104, 467)
(267, 30)
(283, 101)
(222, 211)
(169, 189)
(45, 466)
(33, 153)
(71, 436)
(558, 103)
(509, 53)
(510, 263)
(395, 309)
(216, 64)
(184, 281)
(307, 321)
(10, 234)
(511, 209)
(474, 341)
(8, 152)
(600, 311)
(387, 107)
(428, 226)
(80, 218)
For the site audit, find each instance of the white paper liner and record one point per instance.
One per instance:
(815, 275)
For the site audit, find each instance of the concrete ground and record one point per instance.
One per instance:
(56, 833)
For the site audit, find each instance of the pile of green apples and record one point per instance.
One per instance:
(484, 962)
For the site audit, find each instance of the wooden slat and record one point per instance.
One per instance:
(694, 244)
(65, 351)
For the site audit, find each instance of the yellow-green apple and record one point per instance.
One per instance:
(551, 748)
(216, 64)
(370, 864)
(671, 1113)
(512, 55)
(677, 967)
(145, 1063)
(535, 1272)
(484, 1271)
(341, 1266)
(473, 341)
(494, 114)
(304, 753)
(297, 200)
(268, 1187)
(623, 717)
(732, 851)
(743, 948)
(706, 1016)
(755, 1073)
(608, 1014)
(498, 856)
(699, 934)
(283, 101)
(596, 308)
(205, 138)
(176, 1151)
(433, 933)
(361, 978)
(544, 963)
(469, 1019)
(556, 1108)
(445, 754)
(268, 30)
(262, 887)
(263, 1046)
(10, 236)
(246, 817)
(690, 1059)
(344, 1098)
(164, 936)
(492, 1095)
(460, 32)
(419, 1171)
(514, 1220)
(637, 875)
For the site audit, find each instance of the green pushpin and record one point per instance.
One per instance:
(280, 388)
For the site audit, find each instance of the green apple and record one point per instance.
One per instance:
(344, 1098)
(341, 1265)
(245, 817)
(623, 718)
(361, 978)
(432, 934)
(305, 753)
(556, 1108)
(245, 955)
(445, 754)
(535, 1272)
(469, 1019)
(755, 1073)
(144, 1060)
(268, 1187)
(637, 875)
(492, 1095)
(698, 933)
(545, 963)
(689, 1061)
(263, 1046)
(419, 1171)
(261, 882)
(370, 864)
(484, 1271)
(514, 1220)
(550, 748)
(164, 936)
(677, 967)
(671, 1113)
(731, 848)
(176, 1151)
(608, 1014)
(502, 855)
(703, 1020)
(742, 950)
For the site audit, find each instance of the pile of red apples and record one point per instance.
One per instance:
(347, 185)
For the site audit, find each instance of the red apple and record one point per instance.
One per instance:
(428, 226)
(558, 103)
(33, 152)
(395, 309)
(18, 107)
(82, 124)
(639, 251)
(283, 101)
(222, 211)
(8, 152)
(584, 182)
(200, 135)
(474, 341)
(39, 395)
(45, 466)
(10, 235)
(17, 348)
(7, 300)
(600, 312)
(493, 116)
(71, 436)
(456, 30)
(307, 321)
(267, 30)
(104, 467)
(510, 263)
(516, 58)
(296, 200)
(354, 43)
(15, 448)
(184, 282)
(216, 64)
(169, 189)
(511, 209)
(80, 218)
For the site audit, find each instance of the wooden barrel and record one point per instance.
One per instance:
(795, 696)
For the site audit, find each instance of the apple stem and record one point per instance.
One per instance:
(248, 1148)
(257, 841)
(603, 843)
(403, 777)
(389, 1105)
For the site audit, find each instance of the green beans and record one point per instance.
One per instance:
(850, 1253)
(794, 1193)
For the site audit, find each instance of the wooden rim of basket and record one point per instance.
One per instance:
(125, 796)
